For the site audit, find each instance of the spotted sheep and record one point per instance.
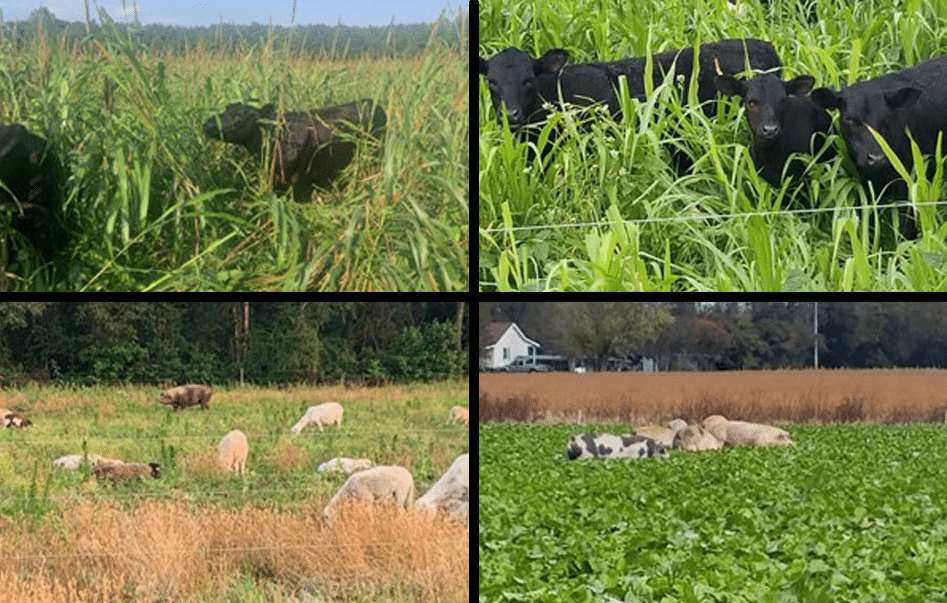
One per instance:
(610, 446)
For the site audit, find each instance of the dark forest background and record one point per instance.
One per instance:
(733, 335)
(214, 342)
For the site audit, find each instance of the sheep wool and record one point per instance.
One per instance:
(232, 452)
(381, 484)
(323, 414)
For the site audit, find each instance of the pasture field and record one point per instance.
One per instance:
(196, 535)
(799, 396)
(155, 205)
(611, 214)
(847, 515)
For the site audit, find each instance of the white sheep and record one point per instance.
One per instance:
(741, 433)
(694, 437)
(232, 452)
(71, 462)
(459, 413)
(324, 414)
(451, 492)
(677, 424)
(122, 471)
(345, 465)
(661, 435)
(381, 484)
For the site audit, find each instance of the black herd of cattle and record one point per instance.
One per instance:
(785, 117)
(310, 149)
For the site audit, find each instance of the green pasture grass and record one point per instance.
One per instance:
(610, 214)
(848, 514)
(407, 428)
(156, 206)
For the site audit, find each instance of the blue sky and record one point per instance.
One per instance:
(207, 12)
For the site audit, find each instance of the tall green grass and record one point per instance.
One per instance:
(719, 226)
(157, 207)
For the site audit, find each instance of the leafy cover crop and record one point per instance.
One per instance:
(848, 514)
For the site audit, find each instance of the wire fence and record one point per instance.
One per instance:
(707, 217)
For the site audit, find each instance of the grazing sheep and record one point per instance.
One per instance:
(459, 413)
(71, 462)
(451, 492)
(232, 452)
(324, 414)
(741, 433)
(381, 484)
(661, 435)
(184, 396)
(694, 437)
(121, 471)
(345, 465)
(610, 446)
(11, 418)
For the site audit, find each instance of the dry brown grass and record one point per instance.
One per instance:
(883, 396)
(168, 551)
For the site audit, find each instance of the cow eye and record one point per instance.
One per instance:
(750, 104)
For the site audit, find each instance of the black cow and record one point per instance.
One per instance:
(783, 121)
(913, 99)
(311, 148)
(523, 83)
(31, 191)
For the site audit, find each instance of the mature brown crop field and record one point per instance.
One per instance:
(880, 395)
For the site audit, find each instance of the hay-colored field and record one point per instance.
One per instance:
(886, 396)
(196, 535)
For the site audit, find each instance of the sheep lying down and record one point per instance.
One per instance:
(379, 485)
(323, 414)
(345, 465)
(119, 471)
(12, 418)
(72, 462)
(459, 413)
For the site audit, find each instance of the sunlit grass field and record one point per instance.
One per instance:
(611, 214)
(197, 535)
(156, 206)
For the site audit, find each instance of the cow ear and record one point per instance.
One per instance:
(729, 85)
(800, 85)
(551, 62)
(902, 98)
(827, 98)
(268, 111)
(483, 66)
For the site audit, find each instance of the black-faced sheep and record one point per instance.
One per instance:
(185, 396)
(381, 484)
(232, 452)
(122, 471)
(11, 418)
(323, 414)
